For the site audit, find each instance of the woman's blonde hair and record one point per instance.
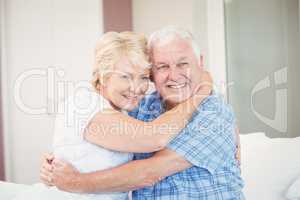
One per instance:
(112, 46)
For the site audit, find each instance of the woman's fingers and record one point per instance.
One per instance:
(49, 157)
(205, 85)
(46, 177)
(58, 163)
(206, 77)
(47, 181)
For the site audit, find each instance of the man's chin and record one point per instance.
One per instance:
(176, 100)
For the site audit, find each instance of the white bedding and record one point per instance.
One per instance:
(269, 167)
(9, 190)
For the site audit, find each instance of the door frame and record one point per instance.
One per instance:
(217, 44)
(3, 109)
(2, 170)
(5, 106)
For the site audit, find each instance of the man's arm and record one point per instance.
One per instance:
(130, 176)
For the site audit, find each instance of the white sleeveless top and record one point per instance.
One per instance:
(72, 118)
(69, 145)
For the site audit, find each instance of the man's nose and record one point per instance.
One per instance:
(174, 74)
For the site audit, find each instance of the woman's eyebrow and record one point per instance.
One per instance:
(144, 74)
(126, 73)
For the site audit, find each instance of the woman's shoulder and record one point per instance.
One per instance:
(85, 101)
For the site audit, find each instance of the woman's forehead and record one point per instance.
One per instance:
(136, 66)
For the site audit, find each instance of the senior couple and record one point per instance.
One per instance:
(177, 143)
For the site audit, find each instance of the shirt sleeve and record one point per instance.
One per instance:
(208, 140)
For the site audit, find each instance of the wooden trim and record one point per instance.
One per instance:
(216, 44)
(117, 15)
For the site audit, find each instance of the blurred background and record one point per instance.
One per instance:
(251, 48)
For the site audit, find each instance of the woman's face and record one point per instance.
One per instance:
(127, 84)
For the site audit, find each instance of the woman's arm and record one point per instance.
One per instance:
(120, 132)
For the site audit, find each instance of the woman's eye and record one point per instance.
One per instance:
(146, 78)
(125, 76)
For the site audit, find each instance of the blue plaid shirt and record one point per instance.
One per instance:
(208, 142)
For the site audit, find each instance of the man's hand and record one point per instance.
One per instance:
(65, 176)
(46, 169)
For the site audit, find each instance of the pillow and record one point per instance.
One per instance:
(269, 166)
(293, 192)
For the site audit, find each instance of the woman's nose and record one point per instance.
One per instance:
(134, 85)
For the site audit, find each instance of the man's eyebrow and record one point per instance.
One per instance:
(160, 63)
(182, 59)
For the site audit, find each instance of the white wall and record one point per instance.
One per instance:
(41, 34)
(151, 15)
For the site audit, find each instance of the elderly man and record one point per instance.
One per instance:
(199, 163)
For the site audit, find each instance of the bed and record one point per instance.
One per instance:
(270, 168)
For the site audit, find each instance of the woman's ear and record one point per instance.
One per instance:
(103, 78)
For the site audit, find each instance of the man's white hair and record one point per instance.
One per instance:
(167, 34)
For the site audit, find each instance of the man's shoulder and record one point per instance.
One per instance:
(217, 105)
(150, 107)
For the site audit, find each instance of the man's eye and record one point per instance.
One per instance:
(162, 67)
(183, 64)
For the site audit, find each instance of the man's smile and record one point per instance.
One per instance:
(177, 86)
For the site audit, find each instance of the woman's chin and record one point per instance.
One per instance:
(128, 106)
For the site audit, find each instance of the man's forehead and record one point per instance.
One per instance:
(174, 46)
(165, 53)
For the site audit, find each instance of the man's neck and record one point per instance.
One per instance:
(169, 105)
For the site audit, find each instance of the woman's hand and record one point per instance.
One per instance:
(46, 169)
(65, 177)
(206, 84)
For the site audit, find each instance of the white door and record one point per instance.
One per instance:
(44, 42)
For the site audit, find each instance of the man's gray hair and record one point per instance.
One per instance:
(166, 34)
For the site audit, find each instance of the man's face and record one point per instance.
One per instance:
(176, 71)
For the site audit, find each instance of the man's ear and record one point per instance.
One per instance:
(201, 61)
(151, 76)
